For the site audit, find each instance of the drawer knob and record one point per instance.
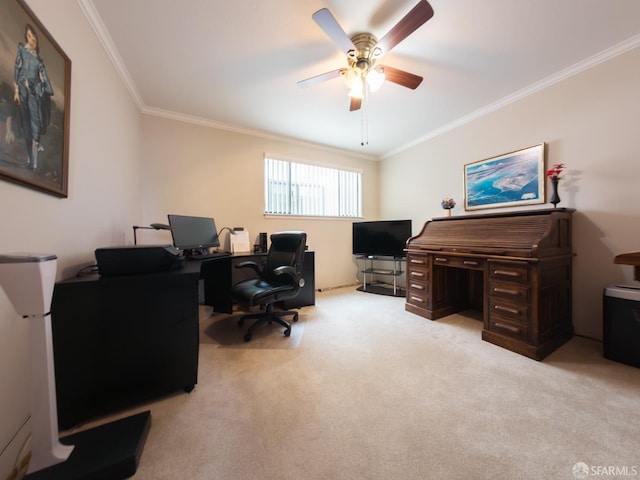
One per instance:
(504, 326)
(507, 291)
(419, 261)
(470, 262)
(417, 299)
(417, 286)
(441, 259)
(507, 273)
(417, 274)
(502, 308)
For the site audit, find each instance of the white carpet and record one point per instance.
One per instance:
(375, 392)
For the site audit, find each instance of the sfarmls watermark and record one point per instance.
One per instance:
(582, 470)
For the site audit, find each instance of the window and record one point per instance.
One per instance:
(298, 189)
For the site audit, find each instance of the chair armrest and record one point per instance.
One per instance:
(291, 273)
(249, 264)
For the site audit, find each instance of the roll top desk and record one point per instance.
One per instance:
(515, 267)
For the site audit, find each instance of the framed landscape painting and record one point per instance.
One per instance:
(508, 180)
(35, 77)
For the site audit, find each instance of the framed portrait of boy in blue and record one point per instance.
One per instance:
(35, 87)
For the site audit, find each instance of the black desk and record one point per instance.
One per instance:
(126, 339)
(219, 274)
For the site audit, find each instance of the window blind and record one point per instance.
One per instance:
(293, 188)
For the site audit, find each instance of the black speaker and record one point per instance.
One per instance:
(263, 242)
(136, 259)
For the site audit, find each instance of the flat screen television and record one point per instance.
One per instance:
(193, 232)
(383, 238)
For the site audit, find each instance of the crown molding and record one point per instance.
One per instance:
(89, 10)
(205, 122)
(586, 64)
(101, 31)
(92, 15)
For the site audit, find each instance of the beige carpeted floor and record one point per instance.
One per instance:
(373, 392)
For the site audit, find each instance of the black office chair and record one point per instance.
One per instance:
(279, 279)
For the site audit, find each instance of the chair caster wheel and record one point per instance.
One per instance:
(287, 332)
(295, 317)
(247, 337)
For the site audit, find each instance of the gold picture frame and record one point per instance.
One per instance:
(35, 87)
(508, 180)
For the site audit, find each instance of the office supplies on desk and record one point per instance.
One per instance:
(206, 256)
(240, 241)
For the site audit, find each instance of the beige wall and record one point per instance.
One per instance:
(104, 194)
(197, 170)
(590, 122)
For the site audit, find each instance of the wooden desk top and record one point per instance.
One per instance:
(628, 259)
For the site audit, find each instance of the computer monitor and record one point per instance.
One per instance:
(193, 232)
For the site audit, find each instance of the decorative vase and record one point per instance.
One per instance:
(448, 210)
(555, 198)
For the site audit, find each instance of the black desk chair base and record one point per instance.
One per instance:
(268, 316)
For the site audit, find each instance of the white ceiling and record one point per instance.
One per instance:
(236, 64)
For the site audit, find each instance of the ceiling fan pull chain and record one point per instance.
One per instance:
(365, 131)
(365, 117)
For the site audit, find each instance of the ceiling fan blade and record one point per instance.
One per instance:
(328, 23)
(401, 77)
(356, 103)
(323, 77)
(417, 17)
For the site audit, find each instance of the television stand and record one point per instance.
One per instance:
(374, 266)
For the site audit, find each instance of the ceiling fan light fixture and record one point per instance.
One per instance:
(356, 90)
(352, 77)
(375, 79)
(363, 50)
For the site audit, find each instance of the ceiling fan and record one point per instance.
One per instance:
(363, 50)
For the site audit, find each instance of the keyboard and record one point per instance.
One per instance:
(209, 255)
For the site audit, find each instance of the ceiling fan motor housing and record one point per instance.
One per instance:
(366, 51)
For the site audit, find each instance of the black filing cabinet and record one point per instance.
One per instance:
(119, 341)
(621, 324)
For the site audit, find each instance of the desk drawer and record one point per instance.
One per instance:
(513, 311)
(504, 326)
(417, 275)
(418, 263)
(509, 291)
(417, 267)
(417, 279)
(459, 262)
(509, 271)
(417, 291)
(417, 298)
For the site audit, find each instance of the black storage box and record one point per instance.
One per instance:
(621, 324)
(137, 259)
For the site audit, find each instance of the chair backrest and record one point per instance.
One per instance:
(287, 249)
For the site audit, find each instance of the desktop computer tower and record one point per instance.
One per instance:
(621, 324)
